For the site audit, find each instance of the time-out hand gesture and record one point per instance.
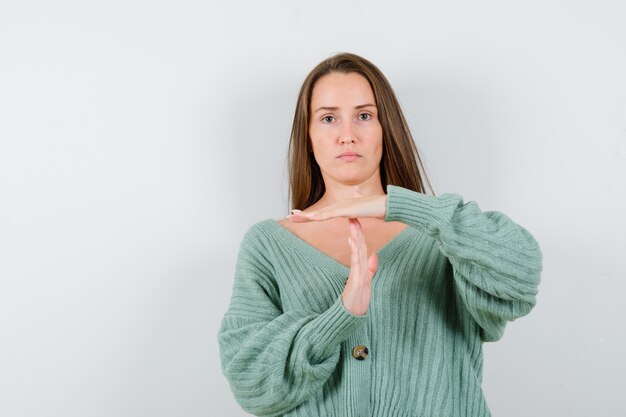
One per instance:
(358, 290)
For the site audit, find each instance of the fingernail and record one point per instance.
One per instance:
(350, 241)
(294, 210)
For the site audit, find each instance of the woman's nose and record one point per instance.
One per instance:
(346, 135)
(347, 139)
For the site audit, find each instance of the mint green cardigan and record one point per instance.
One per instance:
(444, 285)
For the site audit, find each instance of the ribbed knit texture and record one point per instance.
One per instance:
(446, 284)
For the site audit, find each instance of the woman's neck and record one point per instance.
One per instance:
(338, 191)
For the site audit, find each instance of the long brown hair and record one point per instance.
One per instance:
(400, 162)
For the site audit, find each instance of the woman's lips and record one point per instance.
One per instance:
(349, 156)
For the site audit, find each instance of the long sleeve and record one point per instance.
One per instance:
(273, 359)
(496, 263)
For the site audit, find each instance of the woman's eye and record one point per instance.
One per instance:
(367, 116)
(325, 119)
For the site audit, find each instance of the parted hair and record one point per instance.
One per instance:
(400, 162)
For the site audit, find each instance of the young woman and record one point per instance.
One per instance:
(374, 298)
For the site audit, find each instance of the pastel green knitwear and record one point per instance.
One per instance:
(446, 284)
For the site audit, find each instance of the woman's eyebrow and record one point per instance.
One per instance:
(360, 106)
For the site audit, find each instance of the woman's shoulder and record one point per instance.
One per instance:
(259, 231)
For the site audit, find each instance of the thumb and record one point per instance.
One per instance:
(372, 263)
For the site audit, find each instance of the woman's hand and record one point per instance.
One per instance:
(358, 290)
(371, 206)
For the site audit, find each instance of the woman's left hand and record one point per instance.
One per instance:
(371, 206)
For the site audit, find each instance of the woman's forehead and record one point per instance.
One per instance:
(341, 90)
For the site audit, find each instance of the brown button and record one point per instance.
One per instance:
(359, 352)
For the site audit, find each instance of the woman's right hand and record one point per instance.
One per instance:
(358, 290)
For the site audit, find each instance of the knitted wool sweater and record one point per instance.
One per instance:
(446, 284)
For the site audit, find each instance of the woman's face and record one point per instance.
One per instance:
(344, 118)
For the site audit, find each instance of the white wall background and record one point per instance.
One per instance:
(140, 139)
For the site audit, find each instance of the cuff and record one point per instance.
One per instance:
(334, 326)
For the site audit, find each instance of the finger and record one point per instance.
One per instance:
(362, 244)
(298, 216)
(322, 214)
(354, 247)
